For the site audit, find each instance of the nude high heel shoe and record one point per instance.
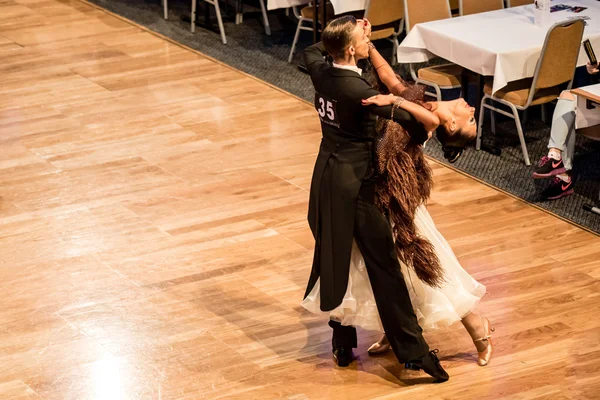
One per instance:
(485, 355)
(380, 346)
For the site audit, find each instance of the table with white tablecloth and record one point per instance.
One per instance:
(505, 43)
(587, 117)
(340, 6)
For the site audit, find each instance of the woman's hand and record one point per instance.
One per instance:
(380, 100)
(591, 69)
(366, 26)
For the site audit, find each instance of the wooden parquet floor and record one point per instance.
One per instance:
(154, 244)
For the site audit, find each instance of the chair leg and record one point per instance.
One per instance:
(265, 17)
(413, 73)
(438, 92)
(544, 120)
(480, 126)
(193, 17)
(395, 51)
(521, 136)
(220, 21)
(166, 9)
(296, 36)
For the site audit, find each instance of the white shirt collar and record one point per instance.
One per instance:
(349, 68)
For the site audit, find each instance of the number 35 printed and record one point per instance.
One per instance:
(326, 107)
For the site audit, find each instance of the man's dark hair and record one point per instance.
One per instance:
(337, 36)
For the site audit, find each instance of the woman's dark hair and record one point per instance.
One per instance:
(337, 36)
(453, 143)
(446, 137)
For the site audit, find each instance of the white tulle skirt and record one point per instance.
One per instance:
(434, 307)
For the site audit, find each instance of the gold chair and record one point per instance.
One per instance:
(555, 68)
(517, 3)
(468, 7)
(382, 14)
(446, 76)
(215, 3)
(306, 16)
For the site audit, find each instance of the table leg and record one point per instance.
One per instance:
(315, 22)
(491, 146)
(206, 24)
(465, 83)
(206, 15)
(479, 93)
(319, 7)
(323, 14)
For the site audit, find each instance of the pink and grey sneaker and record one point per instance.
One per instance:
(558, 188)
(549, 167)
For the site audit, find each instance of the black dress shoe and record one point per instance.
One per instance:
(431, 365)
(343, 356)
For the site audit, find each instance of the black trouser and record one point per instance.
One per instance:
(373, 235)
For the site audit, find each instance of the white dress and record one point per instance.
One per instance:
(434, 307)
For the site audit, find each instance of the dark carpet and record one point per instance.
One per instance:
(251, 51)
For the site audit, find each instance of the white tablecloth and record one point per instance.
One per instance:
(585, 118)
(340, 6)
(505, 43)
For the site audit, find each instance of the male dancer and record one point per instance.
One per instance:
(342, 205)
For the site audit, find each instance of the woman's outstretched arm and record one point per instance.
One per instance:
(385, 72)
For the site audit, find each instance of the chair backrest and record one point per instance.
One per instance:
(419, 11)
(558, 59)
(468, 7)
(384, 12)
(517, 3)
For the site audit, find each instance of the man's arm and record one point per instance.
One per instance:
(416, 129)
(313, 57)
(428, 119)
(413, 117)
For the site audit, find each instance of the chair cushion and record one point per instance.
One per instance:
(447, 75)
(517, 92)
(382, 34)
(309, 12)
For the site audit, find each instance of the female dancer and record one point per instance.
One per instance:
(441, 291)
